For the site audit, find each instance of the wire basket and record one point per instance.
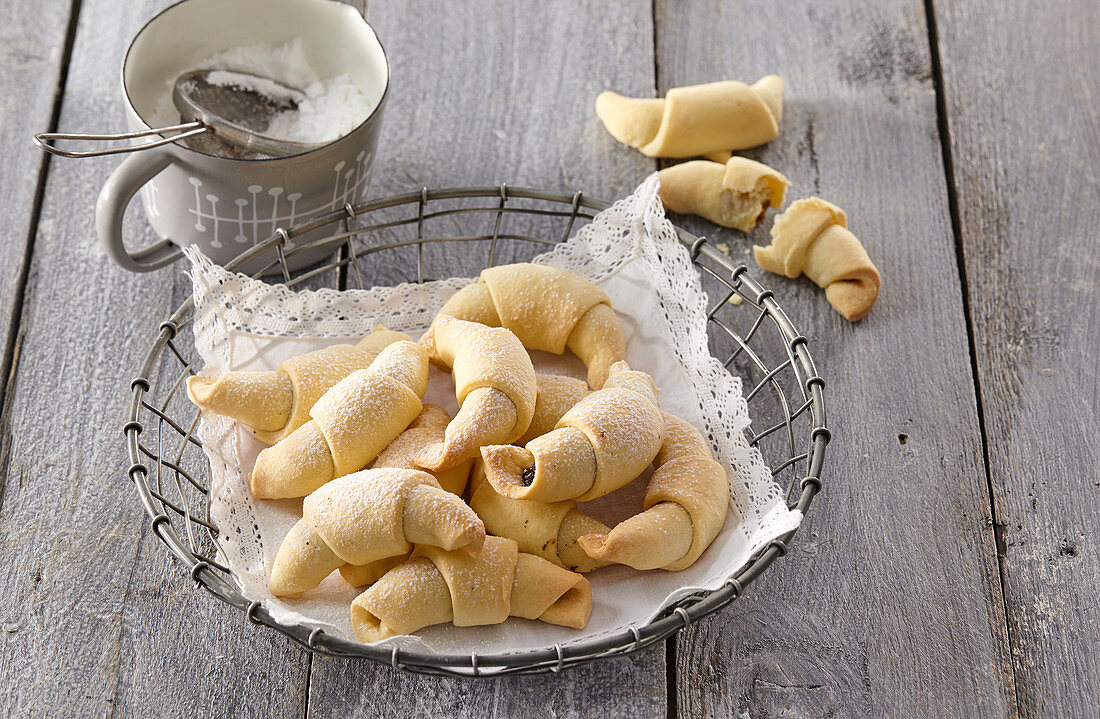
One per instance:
(393, 239)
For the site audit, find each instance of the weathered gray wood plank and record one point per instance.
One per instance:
(632, 686)
(1021, 96)
(484, 93)
(32, 44)
(101, 622)
(888, 604)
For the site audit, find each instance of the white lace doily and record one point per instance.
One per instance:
(632, 252)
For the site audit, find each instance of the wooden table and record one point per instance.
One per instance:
(962, 138)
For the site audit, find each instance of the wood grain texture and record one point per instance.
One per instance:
(32, 43)
(889, 602)
(489, 92)
(631, 686)
(1021, 95)
(98, 622)
(483, 93)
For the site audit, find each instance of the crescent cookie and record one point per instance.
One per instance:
(686, 502)
(547, 309)
(494, 383)
(361, 575)
(428, 429)
(735, 194)
(598, 446)
(696, 120)
(556, 395)
(470, 589)
(545, 529)
(812, 238)
(349, 426)
(275, 403)
(366, 517)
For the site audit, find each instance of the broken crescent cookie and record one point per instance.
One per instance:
(698, 119)
(686, 502)
(598, 446)
(812, 238)
(736, 194)
(351, 424)
(547, 309)
(494, 384)
(368, 516)
(274, 403)
(470, 589)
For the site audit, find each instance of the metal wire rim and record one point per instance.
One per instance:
(213, 576)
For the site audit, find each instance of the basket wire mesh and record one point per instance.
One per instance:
(746, 326)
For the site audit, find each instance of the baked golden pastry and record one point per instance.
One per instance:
(698, 119)
(547, 309)
(360, 575)
(428, 429)
(351, 424)
(812, 238)
(470, 589)
(275, 403)
(545, 529)
(494, 383)
(686, 503)
(556, 395)
(735, 194)
(599, 445)
(368, 516)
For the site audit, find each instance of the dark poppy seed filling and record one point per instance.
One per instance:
(528, 476)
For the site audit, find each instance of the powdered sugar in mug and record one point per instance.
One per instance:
(225, 205)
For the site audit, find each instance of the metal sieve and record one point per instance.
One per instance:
(224, 112)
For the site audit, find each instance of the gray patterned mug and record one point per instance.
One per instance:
(227, 205)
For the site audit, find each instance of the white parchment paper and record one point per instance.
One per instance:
(632, 252)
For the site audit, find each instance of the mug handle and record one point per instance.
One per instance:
(120, 188)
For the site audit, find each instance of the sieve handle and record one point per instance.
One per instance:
(187, 129)
(125, 182)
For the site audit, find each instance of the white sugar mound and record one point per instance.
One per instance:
(333, 107)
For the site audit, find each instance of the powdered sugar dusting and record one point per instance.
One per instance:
(453, 522)
(626, 430)
(332, 108)
(360, 516)
(482, 358)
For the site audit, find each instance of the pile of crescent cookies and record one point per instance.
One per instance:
(473, 519)
(711, 121)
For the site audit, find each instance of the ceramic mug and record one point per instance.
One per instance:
(226, 205)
